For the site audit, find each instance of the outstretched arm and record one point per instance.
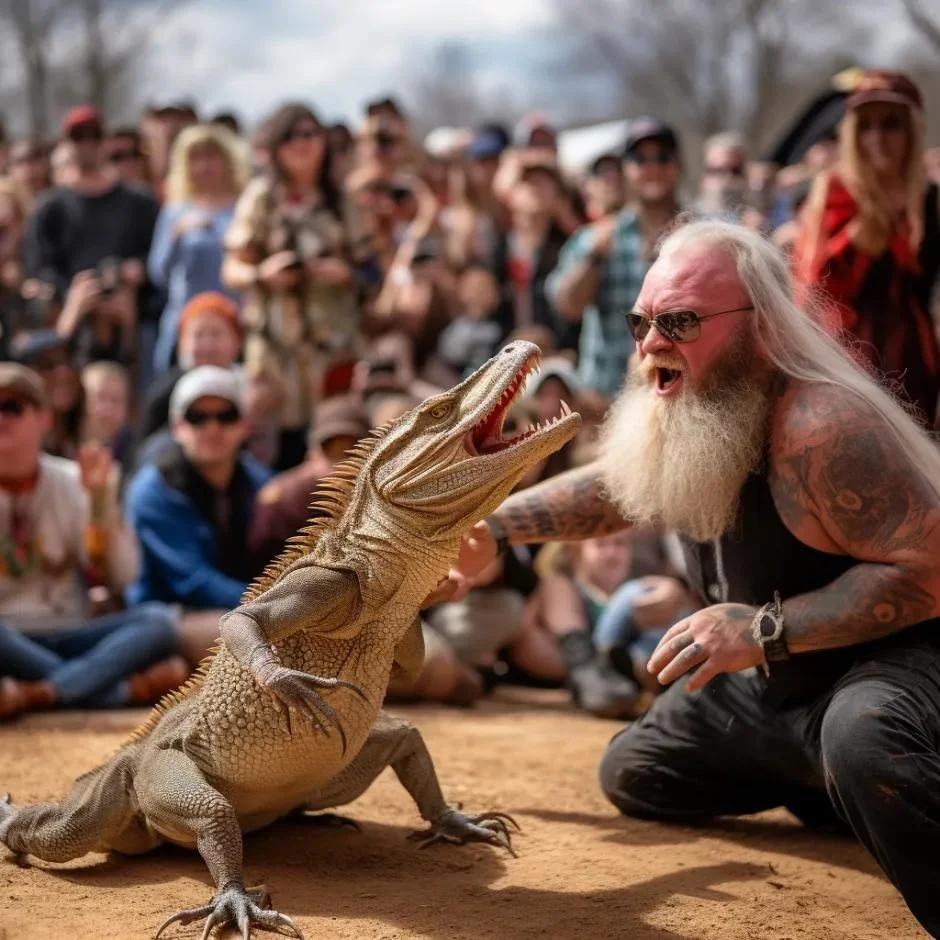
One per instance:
(569, 507)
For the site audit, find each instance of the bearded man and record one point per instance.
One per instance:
(807, 504)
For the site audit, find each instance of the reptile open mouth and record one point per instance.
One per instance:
(486, 437)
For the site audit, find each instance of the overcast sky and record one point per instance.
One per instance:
(250, 54)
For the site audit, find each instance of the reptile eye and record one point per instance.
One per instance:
(440, 411)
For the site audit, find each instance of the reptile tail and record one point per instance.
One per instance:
(93, 816)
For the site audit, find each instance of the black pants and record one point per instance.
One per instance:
(868, 750)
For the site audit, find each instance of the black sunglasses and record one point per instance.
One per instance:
(198, 418)
(680, 326)
(736, 170)
(122, 156)
(661, 157)
(12, 407)
(889, 124)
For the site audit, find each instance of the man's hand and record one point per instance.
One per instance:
(94, 463)
(477, 553)
(660, 602)
(717, 639)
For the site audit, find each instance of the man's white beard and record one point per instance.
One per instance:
(678, 464)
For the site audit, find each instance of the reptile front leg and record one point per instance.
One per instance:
(176, 799)
(415, 769)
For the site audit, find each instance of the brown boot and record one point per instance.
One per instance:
(18, 696)
(155, 682)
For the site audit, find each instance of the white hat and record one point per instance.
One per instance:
(202, 381)
(554, 367)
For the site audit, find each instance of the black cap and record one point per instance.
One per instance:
(649, 128)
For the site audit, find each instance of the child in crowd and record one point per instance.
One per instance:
(106, 409)
(473, 336)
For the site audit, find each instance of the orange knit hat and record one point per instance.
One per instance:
(211, 302)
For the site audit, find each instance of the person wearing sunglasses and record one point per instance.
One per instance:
(870, 236)
(192, 507)
(723, 191)
(807, 504)
(288, 251)
(63, 544)
(601, 267)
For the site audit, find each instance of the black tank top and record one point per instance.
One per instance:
(761, 555)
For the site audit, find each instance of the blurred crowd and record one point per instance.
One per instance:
(198, 322)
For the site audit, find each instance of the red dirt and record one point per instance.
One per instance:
(583, 872)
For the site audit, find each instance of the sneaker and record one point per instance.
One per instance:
(599, 689)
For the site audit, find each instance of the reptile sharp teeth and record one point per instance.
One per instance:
(565, 408)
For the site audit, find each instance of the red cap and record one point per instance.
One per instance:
(83, 114)
(877, 85)
(211, 302)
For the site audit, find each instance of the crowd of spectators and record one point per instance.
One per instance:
(197, 323)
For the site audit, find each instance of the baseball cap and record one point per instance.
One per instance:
(649, 128)
(336, 417)
(203, 381)
(879, 85)
(487, 143)
(15, 377)
(83, 114)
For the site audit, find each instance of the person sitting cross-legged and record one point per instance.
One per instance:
(64, 551)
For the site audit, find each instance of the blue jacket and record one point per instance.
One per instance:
(180, 554)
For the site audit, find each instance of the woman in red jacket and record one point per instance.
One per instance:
(870, 236)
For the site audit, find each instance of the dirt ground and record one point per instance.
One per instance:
(583, 872)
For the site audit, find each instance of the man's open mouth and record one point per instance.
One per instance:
(487, 436)
(667, 378)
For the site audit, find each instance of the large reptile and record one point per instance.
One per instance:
(285, 713)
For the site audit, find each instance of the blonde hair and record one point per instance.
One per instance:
(795, 340)
(103, 369)
(877, 215)
(179, 186)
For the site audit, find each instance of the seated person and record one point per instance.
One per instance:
(192, 509)
(579, 581)
(106, 408)
(282, 506)
(64, 549)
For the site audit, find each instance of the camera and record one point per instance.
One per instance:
(108, 275)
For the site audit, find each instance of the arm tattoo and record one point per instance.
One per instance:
(866, 603)
(841, 469)
(569, 507)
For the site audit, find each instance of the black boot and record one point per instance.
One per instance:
(595, 685)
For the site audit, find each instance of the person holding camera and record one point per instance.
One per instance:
(287, 250)
(89, 239)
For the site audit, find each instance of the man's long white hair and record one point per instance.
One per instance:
(795, 342)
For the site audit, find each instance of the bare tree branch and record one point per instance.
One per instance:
(928, 28)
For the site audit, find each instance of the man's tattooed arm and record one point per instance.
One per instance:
(839, 471)
(568, 507)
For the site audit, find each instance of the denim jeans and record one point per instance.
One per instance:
(615, 626)
(89, 664)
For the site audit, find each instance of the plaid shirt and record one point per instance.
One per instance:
(606, 345)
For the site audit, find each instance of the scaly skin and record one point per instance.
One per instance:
(285, 714)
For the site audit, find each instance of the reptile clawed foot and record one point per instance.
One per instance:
(239, 908)
(458, 828)
(295, 689)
